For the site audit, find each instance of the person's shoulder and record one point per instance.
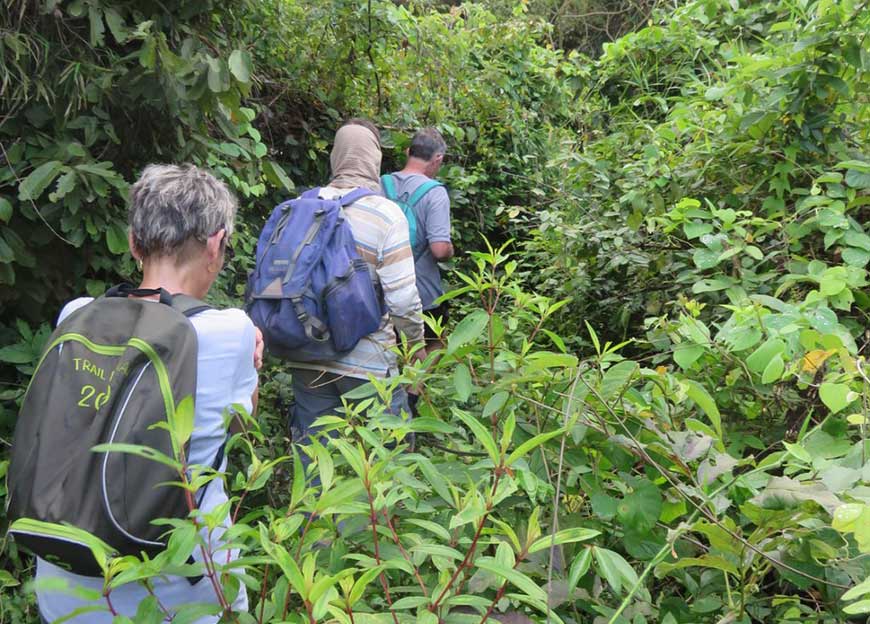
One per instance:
(72, 306)
(226, 319)
(383, 207)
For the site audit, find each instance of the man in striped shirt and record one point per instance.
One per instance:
(381, 233)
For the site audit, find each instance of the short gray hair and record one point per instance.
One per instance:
(171, 205)
(427, 144)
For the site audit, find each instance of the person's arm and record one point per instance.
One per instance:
(438, 224)
(441, 251)
(399, 283)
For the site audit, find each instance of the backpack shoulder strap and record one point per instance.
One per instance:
(421, 191)
(355, 195)
(188, 306)
(389, 186)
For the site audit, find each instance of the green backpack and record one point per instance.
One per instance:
(111, 371)
(407, 203)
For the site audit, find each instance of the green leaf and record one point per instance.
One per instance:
(640, 509)
(116, 25)
(430, 526)
(438, 550)
(694, 229)
(495, 403)
(707, 561)
(566, 536)
(240, 65)
(116, 238)
(523, 449)
(855, 257)
(140, 451)
(276, 175)
(65, 532)
(835, 396)
(17, 354)
(686, 354)
(182, 423)
(287, 564)
(362, 582)
(615, 570)
(616, 378)
(218, 76)
(774, 369)
(98, 29)
(462, 382)
(579, 568)
(33, 185)
(468, 329)
(480, 432)
(762, 356)
(517, 578)
(702, 398)
(5, 210)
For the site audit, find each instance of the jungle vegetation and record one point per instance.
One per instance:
(653, 402)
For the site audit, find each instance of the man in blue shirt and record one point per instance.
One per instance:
(431, 243)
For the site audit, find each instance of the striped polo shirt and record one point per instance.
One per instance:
(381, 234)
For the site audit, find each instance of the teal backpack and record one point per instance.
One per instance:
(407, 203)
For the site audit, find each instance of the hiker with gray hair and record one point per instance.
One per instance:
(426, 206)
(181, 220)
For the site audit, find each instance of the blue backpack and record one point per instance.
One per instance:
(407, 203)
(310, 293)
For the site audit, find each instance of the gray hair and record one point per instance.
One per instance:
(427, 144)
(171, 205)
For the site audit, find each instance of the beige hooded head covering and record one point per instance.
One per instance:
(356, 158)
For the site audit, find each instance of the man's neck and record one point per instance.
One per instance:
(415, 166)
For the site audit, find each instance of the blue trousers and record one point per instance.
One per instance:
(318, 393)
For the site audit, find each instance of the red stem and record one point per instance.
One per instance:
(466, 561)
(404, 552)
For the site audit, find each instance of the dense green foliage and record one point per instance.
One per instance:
(655, 384)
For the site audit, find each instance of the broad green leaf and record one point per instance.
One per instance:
(494, 404)
(566, 536)
(34, 184)
(686, 354)
(862, 606)
(116, 238)
(762, 356)
(462, 382)
(240, 65)
(615, 570)
(616, 378)
(774, 369)
(835, 396)
(5, 210)
(470, 328)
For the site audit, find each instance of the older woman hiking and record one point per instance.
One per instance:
(181, 219)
